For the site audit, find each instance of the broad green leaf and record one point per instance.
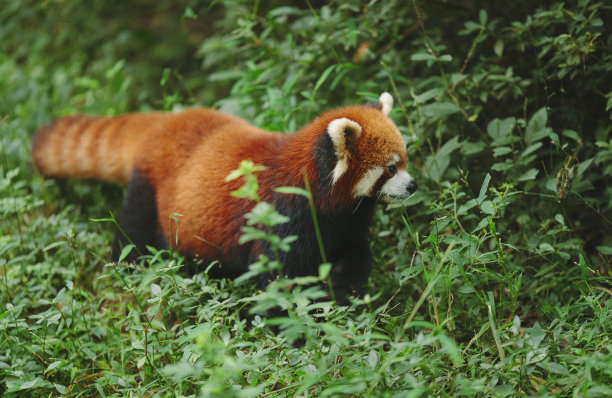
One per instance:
(607, 250)
(427, 95)
(536, 128)
(29, 384)
(52, 366)
(502, 150)
(535, 335)
(583, 166)
(500, 130)
(571, 134)
(439, 110)
(502, 166)
(472, 148)
(528, 175)
(555, 368)
(436, 164)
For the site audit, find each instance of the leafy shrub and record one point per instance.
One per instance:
(494, 279)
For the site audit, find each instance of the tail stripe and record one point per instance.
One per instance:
(110, 161)
(87, 149)
(67, 149)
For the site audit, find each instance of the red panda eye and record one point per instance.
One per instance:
(392, 168)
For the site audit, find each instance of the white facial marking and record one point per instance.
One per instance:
(365, 185)
(396, 157)
(386, 102)
(396, 188)
(336, 130)
(339, 170)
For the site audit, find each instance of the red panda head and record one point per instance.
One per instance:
(369, 155)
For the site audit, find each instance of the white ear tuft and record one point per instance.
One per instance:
(341, 131)
(386, 103)
(338, 130)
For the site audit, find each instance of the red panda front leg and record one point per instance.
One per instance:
(350, 272)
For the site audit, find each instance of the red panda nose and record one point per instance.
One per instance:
(412, 186)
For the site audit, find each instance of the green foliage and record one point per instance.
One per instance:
(494, 279)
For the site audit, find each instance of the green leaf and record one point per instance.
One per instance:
(536, 128)
(482, 16)
(324, 270)
(472, 148)
(60, 388)
(29, 384)
(583, 166)
(483, 223)
(502, 150)
(498, 47)
(607, 250)
(429, 94)
(322, 78)
(502, 166)
(422, 57)
(137, 344)
(451, 348)
(439, 110)
(264, 213)
(487, 207)
(189, 13)
(571, 134)
(554, 367)
(484, 187)
(530, 149)
(500, 130)
(436, 164)
(53, 366)
(125, 251)
(551, 185)
(528, 175)
(372, 358)
(546, 248)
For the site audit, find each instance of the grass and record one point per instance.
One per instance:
(494, 280)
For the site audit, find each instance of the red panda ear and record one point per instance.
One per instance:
(385, 102)
(343, 133)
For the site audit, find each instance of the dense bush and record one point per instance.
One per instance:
(494, 279)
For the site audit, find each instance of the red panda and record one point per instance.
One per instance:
(173, 163)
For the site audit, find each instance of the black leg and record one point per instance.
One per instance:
(350, 272)
(138, 219)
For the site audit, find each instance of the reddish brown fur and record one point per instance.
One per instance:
(186, 157)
